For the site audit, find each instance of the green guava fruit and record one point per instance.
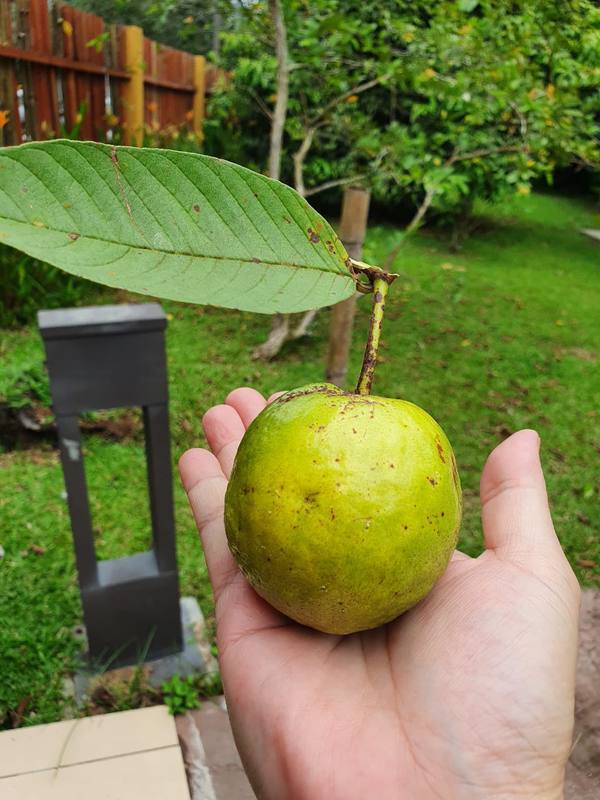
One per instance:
(343, 509)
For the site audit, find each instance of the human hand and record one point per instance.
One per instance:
(469, 695)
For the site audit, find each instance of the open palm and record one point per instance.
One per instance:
(468, 695)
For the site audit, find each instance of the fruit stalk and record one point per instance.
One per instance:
(381, 282)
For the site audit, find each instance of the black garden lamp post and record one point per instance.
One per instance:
(106, 357)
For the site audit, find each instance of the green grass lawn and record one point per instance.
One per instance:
(503, 334)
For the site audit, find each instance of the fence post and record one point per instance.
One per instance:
(353, 227)
(199, 96)
(132, 95)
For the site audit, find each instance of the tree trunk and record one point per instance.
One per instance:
(280, 324)
(283, 74)
(217, 24)
(353, 227)
(278, 336)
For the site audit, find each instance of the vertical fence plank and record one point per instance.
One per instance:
(132, 93)
(151, 99)
(22, 39)
(83, 82)
(10, 132)
(69, 86)
(199, 96)
(43, 77)
(162, 95)
(96, 55)
(7, 104)
(6, 23)
(114, 59)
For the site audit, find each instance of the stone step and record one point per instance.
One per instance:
(213, 765)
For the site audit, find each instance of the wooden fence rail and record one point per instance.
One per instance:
(63, 69)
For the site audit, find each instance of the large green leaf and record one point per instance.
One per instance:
(175, 225)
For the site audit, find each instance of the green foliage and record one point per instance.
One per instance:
(174, 225)
(475, 99)
(180, 694)
(210, 684)
(27, 284)
(25, 385)
(98, 42)
(335, 54)
(498, 100)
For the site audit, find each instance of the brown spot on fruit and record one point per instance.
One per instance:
(440, 450)
(454, 472)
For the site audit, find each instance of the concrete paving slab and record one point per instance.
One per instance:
(151, 775)
(74, 741)
(129, 755)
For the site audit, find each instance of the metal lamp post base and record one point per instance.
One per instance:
(106, 357)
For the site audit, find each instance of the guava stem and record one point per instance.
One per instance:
(381, 282)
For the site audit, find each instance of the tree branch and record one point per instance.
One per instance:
(280, 323)
(299, 157)
(261, 104)
(485, 151)
(281, 103)
(412, 226)
(331, 184)
(358, 89)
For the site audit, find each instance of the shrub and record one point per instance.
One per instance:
(27, 285)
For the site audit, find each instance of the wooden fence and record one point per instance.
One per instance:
(63, 69)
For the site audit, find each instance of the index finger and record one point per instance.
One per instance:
(205, 485)
(225, 425)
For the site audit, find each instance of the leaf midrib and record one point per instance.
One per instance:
(157, 250)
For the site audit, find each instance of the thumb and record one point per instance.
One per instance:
(514, 507)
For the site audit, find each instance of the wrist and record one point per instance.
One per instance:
(517, 787)
(521, 792)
